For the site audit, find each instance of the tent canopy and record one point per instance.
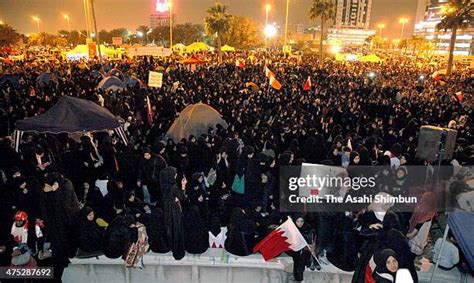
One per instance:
(97, 74)
(116, 72)
(195, 120)
(108, 82)
(370, 58)
(227, 48)
(462, 225)
(70, 115)
(133, 81)
(197, 46)
(44, 79)
(192, 60)
(13, 80)
(179, 47)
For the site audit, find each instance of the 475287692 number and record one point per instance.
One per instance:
(26, 272)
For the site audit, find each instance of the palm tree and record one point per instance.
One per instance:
(8, 35)
(325, 10)
(217, 22)
(457, 16)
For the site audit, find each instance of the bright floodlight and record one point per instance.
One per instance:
(336, 48)
(162, 6)
(140, 34)
(270, 31)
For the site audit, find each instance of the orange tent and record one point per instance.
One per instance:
(192, 60)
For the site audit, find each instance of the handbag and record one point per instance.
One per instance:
(238, 185)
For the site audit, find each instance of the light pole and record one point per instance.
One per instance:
(95, 29)
(66, 17)
(37, 20)
(286, 24)
(381, 27)
(403, 21)
(170, 5)
(268, 7)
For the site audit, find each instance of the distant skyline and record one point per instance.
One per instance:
(133, 13)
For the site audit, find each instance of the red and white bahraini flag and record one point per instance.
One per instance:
(284, 238)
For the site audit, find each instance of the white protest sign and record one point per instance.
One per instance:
(155, 79)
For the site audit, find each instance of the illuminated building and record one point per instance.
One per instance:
(351, 25)
(353, 14)
(429, 14)
(160, 17)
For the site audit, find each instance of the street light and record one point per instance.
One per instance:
(381, 27)
(403, 21)
(170, 6)
(336, 48)
(286, 25)
(268, 7)
(269, 31)
(66, 17)
(37, 20)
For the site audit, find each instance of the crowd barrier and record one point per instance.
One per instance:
(215, 265)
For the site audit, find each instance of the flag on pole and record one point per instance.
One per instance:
(240, 63)
(307, 84)
(284, 238)
(275, 83)
(149, 111)
(269, 73)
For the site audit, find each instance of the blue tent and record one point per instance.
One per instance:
(132, 81)
(10, 79)
(117, 73)
(44, 79)
(97, 74)
(109, 82)
(461, 223)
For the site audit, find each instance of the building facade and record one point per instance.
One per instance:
(160, 19)
(353, 14)
(430, 17)
(351, 25)
(161, 15)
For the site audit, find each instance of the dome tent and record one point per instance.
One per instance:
(195, 120)
(110, 82)
(44, 79)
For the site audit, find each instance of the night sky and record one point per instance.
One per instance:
(133, 13)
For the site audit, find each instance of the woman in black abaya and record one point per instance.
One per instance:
(173, 196)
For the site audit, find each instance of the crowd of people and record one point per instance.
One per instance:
(64, 195)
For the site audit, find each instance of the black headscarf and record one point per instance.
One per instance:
(168, 181)
(380, 259)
